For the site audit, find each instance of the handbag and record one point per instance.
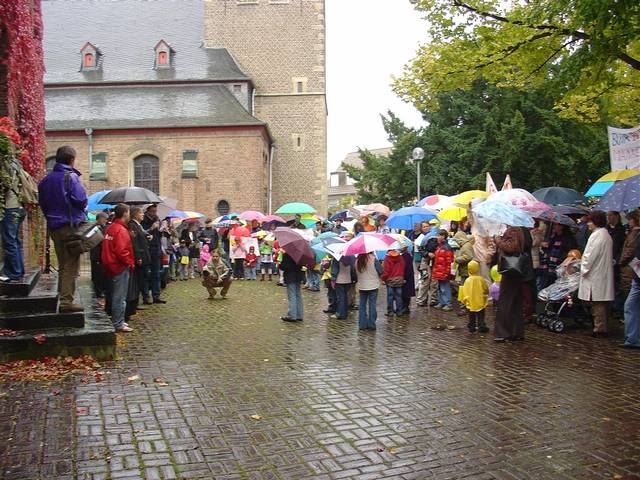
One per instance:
(513, 264)
(84, 236)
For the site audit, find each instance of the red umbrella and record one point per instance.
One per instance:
(296, 246)
(238, 231)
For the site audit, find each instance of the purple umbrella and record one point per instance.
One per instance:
(624, 195)
(296, 246)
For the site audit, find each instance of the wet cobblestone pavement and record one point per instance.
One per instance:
(223, 389)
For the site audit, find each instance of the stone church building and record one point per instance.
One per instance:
(219, 104)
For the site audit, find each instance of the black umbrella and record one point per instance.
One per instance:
(570, 210)
(559, 196)
(131, 196)
(553, 217)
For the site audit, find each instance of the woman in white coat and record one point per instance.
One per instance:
(596, 272)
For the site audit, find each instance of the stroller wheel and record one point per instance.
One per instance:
(539, 319)
(557, 326)
(544, 321)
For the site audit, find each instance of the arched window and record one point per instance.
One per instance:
(88, 60)
(49, 163)
(146, 173)
(223, 207)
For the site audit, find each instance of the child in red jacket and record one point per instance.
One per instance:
(250, 264)
(442, 260)
(393, 277)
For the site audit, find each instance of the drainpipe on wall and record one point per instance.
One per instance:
(253, 102)
(270, 186)
(89, 132)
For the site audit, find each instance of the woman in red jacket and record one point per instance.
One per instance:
(118, 261)
(443, 258)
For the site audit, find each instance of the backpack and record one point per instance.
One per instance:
(28, 189)
(429, 247)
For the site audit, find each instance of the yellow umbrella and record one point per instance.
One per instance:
(619, 175)
(453, 214)
(465, 198)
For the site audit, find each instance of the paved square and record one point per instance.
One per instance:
(224, 389)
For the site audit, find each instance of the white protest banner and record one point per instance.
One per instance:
(624, 148)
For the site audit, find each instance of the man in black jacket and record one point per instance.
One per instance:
(293, 277)
(151, 223)
(211, 233)
(140, 241)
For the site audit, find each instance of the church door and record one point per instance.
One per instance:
(146, 173)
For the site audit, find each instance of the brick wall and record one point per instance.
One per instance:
(278, 44)
(231, 165)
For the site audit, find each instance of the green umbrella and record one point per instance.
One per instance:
(295, 208)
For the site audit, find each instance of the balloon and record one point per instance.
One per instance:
(494, 291)
(495, 275)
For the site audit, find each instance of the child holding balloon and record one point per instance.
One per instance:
(475, 294)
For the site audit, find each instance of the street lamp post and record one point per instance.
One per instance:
(418, 156)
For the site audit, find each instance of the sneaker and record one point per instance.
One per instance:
(124, 328)
(288, 319)
(71, 308)
(328, 311)
(447, 308)
(333, 315)
(159, 300)
(437, 307)
(483, 329)
(149, 302)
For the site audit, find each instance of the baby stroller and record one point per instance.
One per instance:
(561, 298)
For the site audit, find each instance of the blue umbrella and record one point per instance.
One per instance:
(598, 189)
(94, 201)
(624, 195)
(407, 217)
(342, 214)
(498, 212)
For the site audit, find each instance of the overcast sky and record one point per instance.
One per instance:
(368, 41)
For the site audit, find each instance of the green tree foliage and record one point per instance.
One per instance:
(588, 51)
(484, 129)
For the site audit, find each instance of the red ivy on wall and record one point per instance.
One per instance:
(21, 21)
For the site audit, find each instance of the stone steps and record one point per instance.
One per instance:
(30, 309)
(45, 320)
(22, 288)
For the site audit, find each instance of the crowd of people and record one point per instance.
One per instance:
(446, 266)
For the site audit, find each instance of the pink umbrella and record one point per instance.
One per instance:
(515, 196)
(537, 209)
(274, 218)
(251, 215)
(376, 208)
(368, 242)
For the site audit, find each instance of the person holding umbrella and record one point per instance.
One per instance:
(151, 223)
(296, 253)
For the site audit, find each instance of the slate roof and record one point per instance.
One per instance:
(159, 106)
(126, 32)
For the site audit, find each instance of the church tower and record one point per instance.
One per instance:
(280, 45)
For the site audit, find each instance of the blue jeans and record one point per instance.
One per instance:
(250, 273)
(367, 314)
(13, 260)
(294, 295)
(444, 293)
(394, 295)
(632, 315)
(119, 290)
(313, 278)
(342, 299)
(153, 275)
